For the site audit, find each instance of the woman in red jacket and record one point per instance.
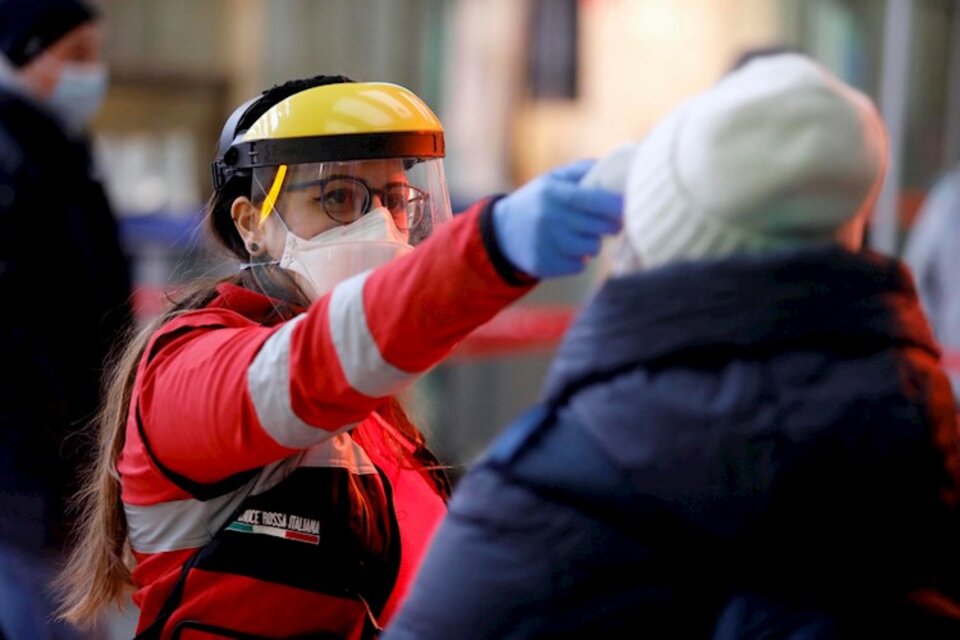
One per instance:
(257, 476)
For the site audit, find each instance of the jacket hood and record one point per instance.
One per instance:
(750, 302)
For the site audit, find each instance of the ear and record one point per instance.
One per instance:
(246, 218)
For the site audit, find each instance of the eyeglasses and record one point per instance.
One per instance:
(346, 199)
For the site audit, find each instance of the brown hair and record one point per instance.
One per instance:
(98, 569)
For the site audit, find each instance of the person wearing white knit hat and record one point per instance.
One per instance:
(778, 153)
(746, 432)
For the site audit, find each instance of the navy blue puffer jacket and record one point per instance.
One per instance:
(760, 447)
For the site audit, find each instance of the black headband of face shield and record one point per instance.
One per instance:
(221, 167)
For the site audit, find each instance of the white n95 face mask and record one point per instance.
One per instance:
(334, 255)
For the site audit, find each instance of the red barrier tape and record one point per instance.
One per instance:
(518, 330)
(951, 362)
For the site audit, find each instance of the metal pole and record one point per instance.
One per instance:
(246, 23)
(893, 102)
(951, 128)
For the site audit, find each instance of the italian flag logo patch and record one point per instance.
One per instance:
(278, 525)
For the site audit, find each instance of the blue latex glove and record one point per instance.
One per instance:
(551, 226)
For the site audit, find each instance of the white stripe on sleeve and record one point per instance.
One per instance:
(363, 365)
(269, 381)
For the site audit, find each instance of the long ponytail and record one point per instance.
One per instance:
(97, 572)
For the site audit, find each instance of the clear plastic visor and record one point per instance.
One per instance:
(312, 198)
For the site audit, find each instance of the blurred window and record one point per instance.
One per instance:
(554, 47)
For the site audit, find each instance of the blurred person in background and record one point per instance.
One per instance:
(746, 433)
(54, 219)
(258, 476)
(932, 250)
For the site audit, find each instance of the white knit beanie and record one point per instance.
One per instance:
(778, 153)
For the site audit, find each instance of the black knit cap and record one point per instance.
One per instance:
(28, 27)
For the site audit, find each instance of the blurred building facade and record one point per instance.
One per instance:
(521, 85)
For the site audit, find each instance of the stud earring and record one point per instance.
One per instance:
(253, 248)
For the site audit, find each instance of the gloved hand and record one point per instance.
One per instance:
(551, 226)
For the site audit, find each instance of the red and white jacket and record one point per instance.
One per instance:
(240, 435)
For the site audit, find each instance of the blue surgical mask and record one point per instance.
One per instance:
(79, 93)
